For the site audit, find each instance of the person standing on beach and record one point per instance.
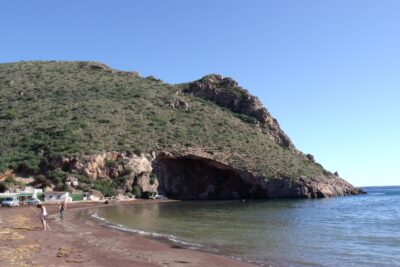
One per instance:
(63, 208)
(43, 216)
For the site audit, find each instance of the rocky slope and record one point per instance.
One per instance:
(84, 126)
(227, 93)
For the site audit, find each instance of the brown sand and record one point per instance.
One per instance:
(82, 242)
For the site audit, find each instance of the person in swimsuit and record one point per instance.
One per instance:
(43, 216)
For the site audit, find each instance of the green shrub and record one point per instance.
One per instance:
(11, 114)
(105, 187)
(83, 179)
(136, 191)
(119, 181)
(25, 162)
(57, 176)
(138, 151)
(153, 179)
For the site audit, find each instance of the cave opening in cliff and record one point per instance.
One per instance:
(199, 178)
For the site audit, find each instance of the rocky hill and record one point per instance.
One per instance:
(120, 133)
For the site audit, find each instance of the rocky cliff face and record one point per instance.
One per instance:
(194, 176)
(135, 170)
(226, 93)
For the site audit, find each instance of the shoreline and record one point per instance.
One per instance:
(163, 238)
(81, 241)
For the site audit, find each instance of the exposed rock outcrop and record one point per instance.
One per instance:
(310, 158)
(226, 93)
(195, 174)
(110, 164)
(310, 187)
(134, 169)
(178, 103)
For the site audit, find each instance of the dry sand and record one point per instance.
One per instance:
(79, 241)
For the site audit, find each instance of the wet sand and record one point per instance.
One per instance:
(80, 241)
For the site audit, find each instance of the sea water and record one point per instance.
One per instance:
(361, 230)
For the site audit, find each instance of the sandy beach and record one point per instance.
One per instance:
(81, 241)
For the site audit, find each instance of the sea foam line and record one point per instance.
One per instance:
(171, 238)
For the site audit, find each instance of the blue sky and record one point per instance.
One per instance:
(329, 71)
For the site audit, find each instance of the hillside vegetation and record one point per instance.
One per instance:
(49, 109)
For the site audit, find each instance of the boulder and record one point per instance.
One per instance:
(310, 158)
(178, 103)
(96, 195)
(72, 181)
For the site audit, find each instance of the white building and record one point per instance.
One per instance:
(57, 197)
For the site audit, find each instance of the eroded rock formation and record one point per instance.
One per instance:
(226, 93)
(136, 169)
(201, 177)
(195, 174)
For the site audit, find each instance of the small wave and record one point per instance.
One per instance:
(94, 215)
(171, 238)
(376, 194)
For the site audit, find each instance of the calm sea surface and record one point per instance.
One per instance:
(345, 231)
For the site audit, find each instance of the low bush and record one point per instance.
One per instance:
(41, 181)
(57, 176)
(11, 114)
(105, 187)
(136, 191)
